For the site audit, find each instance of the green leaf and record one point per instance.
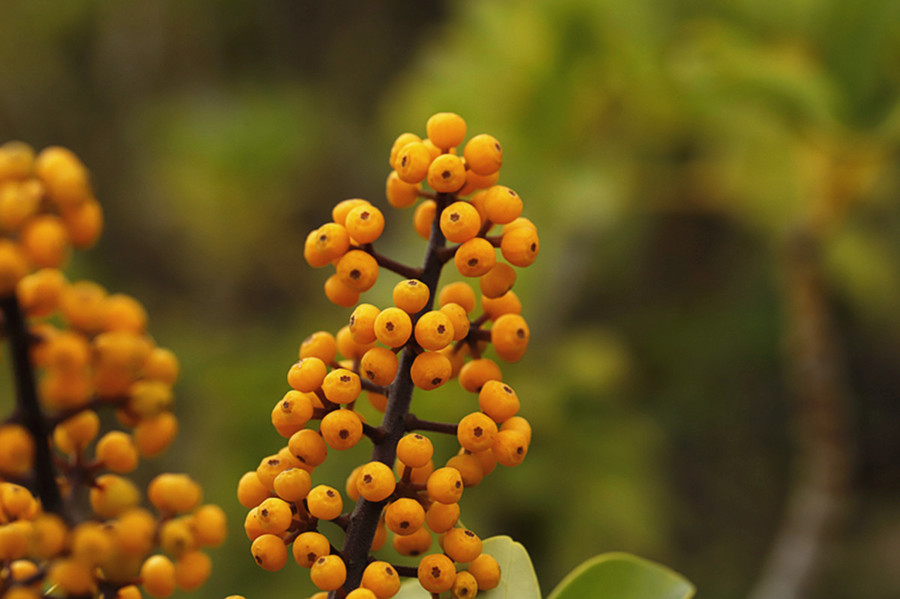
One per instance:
(517, 577)
(622, 576)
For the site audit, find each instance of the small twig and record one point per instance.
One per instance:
(414, 423)
(401, 269)
(375, 433)
(368, 385)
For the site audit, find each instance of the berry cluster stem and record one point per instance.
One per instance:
(27, 403)
(364, 518)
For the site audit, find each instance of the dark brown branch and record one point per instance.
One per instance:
(403, 270)
(413, 423)
(365, 516)
(28, 406)
(368, 385)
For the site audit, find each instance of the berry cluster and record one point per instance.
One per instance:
(429, 336)
(71, 522)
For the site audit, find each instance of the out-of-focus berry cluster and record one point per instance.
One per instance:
(91, 353)
(429, 336)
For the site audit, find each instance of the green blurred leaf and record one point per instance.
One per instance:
(622, 576)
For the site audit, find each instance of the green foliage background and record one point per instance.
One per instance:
(666, 150)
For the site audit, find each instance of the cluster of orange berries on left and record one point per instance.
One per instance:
(79, 351)
(404, 494)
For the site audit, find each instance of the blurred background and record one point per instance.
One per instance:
(713, 376)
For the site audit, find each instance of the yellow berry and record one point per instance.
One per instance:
(357, 270)
(40, 291)
(365, 224)
(341, 429)
(153, 435)
(458, 319)
(497, 281)
(293, 484)
(510, 336)
(461, 545)
(399, 193)
(308, 446)
(328, 572)
(118, 452)
(382, 579)
(45, 241)
(416, 543)
(327, 243)
(292, 412)
(192, 570)
(158, 576)
(16, 160)
(520, 246)
(324, 502)
(393, 327)
(483, 154)
(441, 517)
(412, 162)
(414, 450)
(445, 485)
(498, 400)
(310, 546)
(209, 525)
(508, 303)
(434, 330)
(446, 129)
(404, 516)
(375, 481)
(430, 370)
(111, 495)
(362, 323)
(465, 586)
(274, 515)
(460, 222)
(502, 205)
(361, 593)
(475, 373)
(436, 573)
(343, 208)
(460, 293)
(320, 344)
(307, 374)
(73, 577)
(161, 365)
(476, 431)
(379, 365)
(510, 447)
(350, 348)
(486, 571)
(176, 536)
(84, 223)
(341, 386)
(423, 218)
(13, 266)
(411, 295)
(446, 173)
(517, 423)
(475, 257)
(269, 552)
(124, 313)
(399, 144)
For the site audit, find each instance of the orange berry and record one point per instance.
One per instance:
(320, 344)
(476, 431)
(412, 162)
(436, 573)
(411, 295)
(340, 294)
(308, 446)
(460, 293)
(497, 281)
(328, 572)
(502, 205)
(424, 217)
(475, 373)
(465, 586)
(520, 246)
(124, 313)
(293, 484)
(393, 327)
(404, 516)
(341, 429)
(382, 579)
(483, 154)
(375, 481)
(343, 208)
(357, 270)
(154, 435)
(430, 370)
(13, 266)
(112, 495)
(445, 485)
(379, 365)
(39, 292)
(16, 160)
(498, 400)
(192, 569)
(441, 517)
(416, 543)
(84, 223)
(307, 374)
(274, 515)
(310, 546)
(510, 336)
(325, 244)
(45, 241)
(446, 173)
(469, 468)
(475, 257)
(433, 330)
(510, 447)
(517, 423)
(399, 144)
(460, 222)
(362, 323)
(461, 545)
(365, 223)
(324, 502)
(508, 303)
(174, 492)
(399, 193)
(476, 182)
(341, 386)
(486, 571)
(459, 320)
(209, 525)
(446, 129)
(117, 451)
(269, 552)
(414, 450)
(161, 365)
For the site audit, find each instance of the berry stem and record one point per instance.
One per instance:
(414, 423)
(401, 269)
(27, 404)
(364, 518)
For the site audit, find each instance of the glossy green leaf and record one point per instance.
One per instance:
(517, 577)
(622, 576)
